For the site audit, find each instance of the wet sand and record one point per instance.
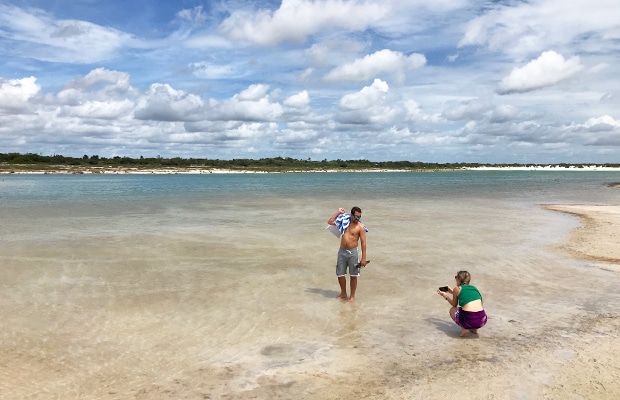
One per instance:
(598, 237)
(187, 314)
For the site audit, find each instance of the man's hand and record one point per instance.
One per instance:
(332, 220)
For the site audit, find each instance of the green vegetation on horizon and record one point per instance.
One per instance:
(265, 164)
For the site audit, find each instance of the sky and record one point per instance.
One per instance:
(383, 80)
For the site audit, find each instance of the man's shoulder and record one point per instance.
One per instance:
(359, 227)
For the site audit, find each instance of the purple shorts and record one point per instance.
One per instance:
(470, 319)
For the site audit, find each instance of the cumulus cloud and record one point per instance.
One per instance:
(295, 20)
(162, 103)
(101, 78)
(366, 98)
(548, 69)
(253, 93)
(368, 106)
(107, 110)
(16, 93)
(383, 61)
(250, 105)
(299, 100)
(604, 123)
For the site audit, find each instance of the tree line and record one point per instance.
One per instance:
(275, 163)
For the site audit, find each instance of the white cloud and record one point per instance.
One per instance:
(334, 52)
(110, 81)
(206, 70)
(548, 69)
(16, 93)
(251, 105)
(504, 113)
(253, 93)
(372, 65)
(366, 98)
(602, 124)
(194, 15)
(598, 68)
(295, 20)
(370, 107)
(474, 109)
(45, 38)
(299, 100)
(162, 103)
(100, 110)
(525, 28)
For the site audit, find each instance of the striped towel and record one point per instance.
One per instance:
(342, 223)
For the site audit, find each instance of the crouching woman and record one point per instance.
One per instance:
(466, 301)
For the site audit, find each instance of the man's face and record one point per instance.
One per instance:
(356, 217)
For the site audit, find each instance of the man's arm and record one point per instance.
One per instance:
(363, 243)
(332, 219)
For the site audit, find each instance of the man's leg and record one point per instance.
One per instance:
(353, 288)
(342, 281)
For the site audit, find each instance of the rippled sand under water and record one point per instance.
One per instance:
(242, 305)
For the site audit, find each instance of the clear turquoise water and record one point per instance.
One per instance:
(39, 206)
(20, 191)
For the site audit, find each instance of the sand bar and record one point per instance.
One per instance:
(65, 169)
(598, 236)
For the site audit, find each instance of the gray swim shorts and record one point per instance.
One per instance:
(347, 258)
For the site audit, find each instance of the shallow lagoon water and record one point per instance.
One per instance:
(223, 286)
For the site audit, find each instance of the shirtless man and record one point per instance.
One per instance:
(347, 254)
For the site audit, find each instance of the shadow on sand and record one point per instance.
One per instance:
(324, 292)
(448, 327)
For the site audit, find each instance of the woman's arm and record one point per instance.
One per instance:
(452, 295)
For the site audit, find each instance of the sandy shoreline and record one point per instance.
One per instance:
(61, 169)
(598, 236)
(592, 371)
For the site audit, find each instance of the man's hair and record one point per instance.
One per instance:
(356, 209)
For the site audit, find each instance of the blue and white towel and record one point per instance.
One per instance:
(342, 223)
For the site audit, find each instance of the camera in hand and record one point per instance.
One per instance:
(359, 264)
(443, 288)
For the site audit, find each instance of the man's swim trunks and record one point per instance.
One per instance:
(347, 258)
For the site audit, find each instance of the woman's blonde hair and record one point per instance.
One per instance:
(464, 277)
